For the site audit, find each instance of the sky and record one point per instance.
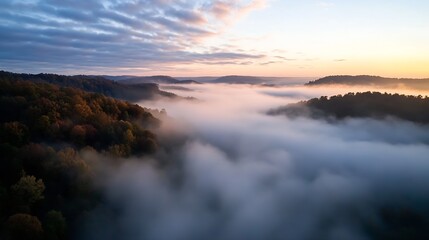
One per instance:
(305, 38)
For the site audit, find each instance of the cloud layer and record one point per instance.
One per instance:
(131, 34)
(244, 175)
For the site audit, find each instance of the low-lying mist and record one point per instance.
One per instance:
(233, 172)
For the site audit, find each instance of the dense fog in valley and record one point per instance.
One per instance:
(235, 172)
(214, 120)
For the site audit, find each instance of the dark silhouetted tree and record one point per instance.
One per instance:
(24, 227)
(55, 226)
(28, 190)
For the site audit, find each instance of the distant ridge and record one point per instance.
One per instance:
(371, 80)
(158, 79)
(236, 79)
(229, 79)
(150, 79)
(188, 81)
(204, 79)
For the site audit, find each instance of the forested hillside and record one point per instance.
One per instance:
(362, 105)
(365, 80)
(46, 186)
(95, 84)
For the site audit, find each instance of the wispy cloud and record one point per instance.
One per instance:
(269, 62)
(94, 34)
(226, 10)
(325, 4)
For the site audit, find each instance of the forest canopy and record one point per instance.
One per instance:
(367, 80)
(361, 105)
(46, 186)
(96, 84)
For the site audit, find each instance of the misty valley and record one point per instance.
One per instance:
(97, 157)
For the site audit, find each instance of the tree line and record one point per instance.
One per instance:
(362, 105)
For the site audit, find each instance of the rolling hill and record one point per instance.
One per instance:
(235, 79)
(46, 185)
(94, 84)
(362, 80)
(360, 105)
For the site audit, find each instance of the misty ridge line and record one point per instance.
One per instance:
(362, 80)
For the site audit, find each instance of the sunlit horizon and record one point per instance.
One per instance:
(274, 38)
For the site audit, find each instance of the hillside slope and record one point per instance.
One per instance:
(362, 80)
(361, 105)
(46, 183)
(94, 84)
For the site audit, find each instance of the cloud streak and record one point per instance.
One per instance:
(104, 34)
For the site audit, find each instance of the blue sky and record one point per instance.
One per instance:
(216, 37)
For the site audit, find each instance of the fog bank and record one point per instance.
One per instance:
(241, 174)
